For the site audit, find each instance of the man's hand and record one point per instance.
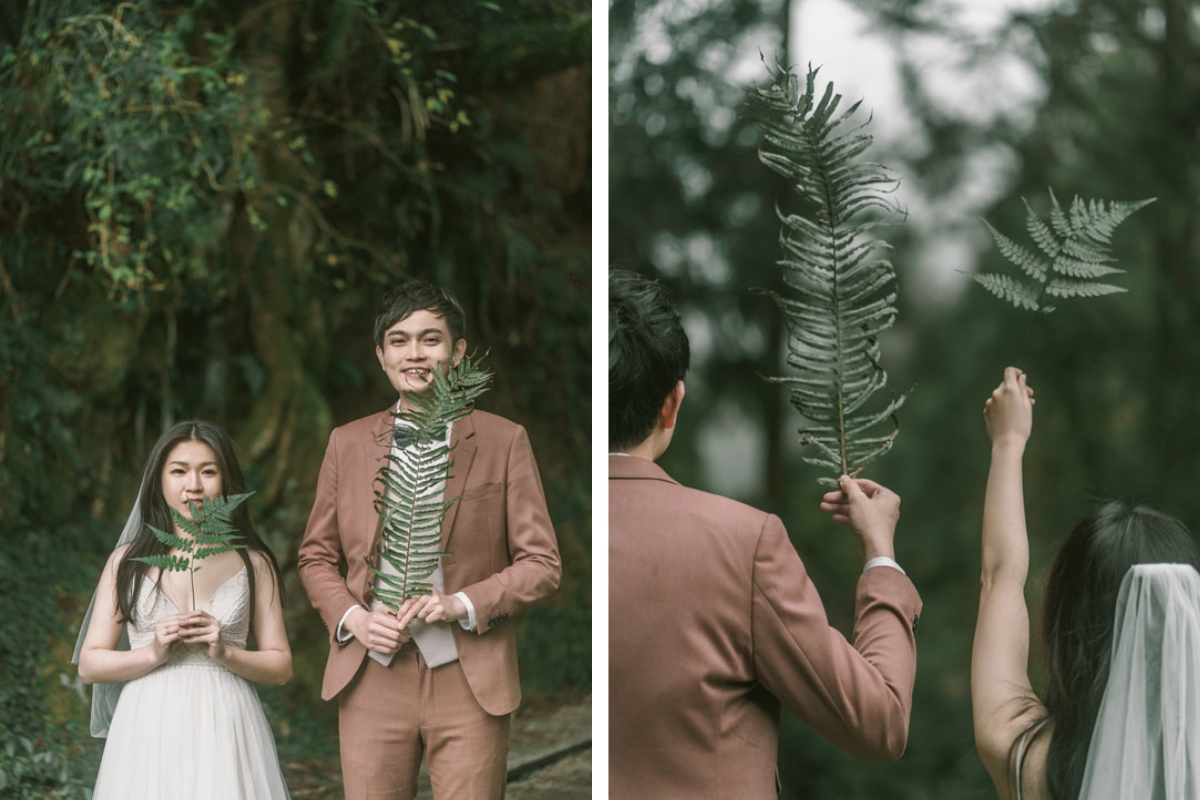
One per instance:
(432, 607)
(870, 509)
(378, 630)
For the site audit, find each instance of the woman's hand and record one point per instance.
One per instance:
(1009, 411)
(167, 631)
(200, 627)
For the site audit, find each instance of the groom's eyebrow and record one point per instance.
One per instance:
(418, 334)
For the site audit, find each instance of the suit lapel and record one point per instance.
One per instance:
(462, 456)
(377, 451)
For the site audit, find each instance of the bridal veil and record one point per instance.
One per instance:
(1146, 743)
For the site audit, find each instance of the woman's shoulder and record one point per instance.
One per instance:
(117, 556)
(264, 568)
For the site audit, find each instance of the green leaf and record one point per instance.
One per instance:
(1077, 248)
(410, 489)
(844, 293)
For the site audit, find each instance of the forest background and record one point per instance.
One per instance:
(1113, 113)
(200, 206)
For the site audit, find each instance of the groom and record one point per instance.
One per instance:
(714, 623)
(439, 678)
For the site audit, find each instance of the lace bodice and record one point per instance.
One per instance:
(230, 604)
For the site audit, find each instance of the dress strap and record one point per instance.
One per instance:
(1022, 746)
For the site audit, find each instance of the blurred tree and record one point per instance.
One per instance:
(687, 200)
(200, 204)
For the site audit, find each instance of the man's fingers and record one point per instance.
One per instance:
(408, 615)
(850, 488)
(869, 487)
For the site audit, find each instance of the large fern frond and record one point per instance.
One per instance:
(1076, 248)
(844, 290)
(411, 487)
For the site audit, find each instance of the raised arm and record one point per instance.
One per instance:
(857, 693)
(1002, 699)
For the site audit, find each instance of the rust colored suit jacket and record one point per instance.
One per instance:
(713, 624)
(505, 555)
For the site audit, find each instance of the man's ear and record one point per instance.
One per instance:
(460, 349)
(670, 406)
(379, 355)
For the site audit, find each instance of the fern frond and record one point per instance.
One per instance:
(842, 288)
(410, 494)
(1076, 243)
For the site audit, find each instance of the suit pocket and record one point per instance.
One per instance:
(480, 492)
(479, 529)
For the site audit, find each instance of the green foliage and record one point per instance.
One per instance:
(1076, 250)
(846, 293)
(210, 533)
(45, 746)
(411, 499)
(144, 116)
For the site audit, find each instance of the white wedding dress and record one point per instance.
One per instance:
(190, 729)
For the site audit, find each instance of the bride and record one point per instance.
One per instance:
(188, 723)
(1120, 716)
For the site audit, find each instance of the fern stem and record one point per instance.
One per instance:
(831, 223)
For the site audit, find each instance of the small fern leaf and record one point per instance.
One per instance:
(1088, 270)
(165, 563)
(208, 552)
(1058, 219)
(1063, 288)
(171, 540)
(1077, 241)
(186, 524)
(1016, 292)
(1041, 233)
(1029, 263)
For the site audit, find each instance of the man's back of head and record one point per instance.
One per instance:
(648, 355)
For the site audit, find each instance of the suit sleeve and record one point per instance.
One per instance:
(321, 556)
(857, 694)
(535, 568)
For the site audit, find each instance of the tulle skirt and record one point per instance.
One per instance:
(189, 732)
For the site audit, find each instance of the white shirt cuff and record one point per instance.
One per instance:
(342, 635)
(882, 561)
(467, 624)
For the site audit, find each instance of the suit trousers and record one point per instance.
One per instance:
(389, 716)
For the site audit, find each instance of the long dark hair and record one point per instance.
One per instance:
(157, 513)
(1078, 619)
